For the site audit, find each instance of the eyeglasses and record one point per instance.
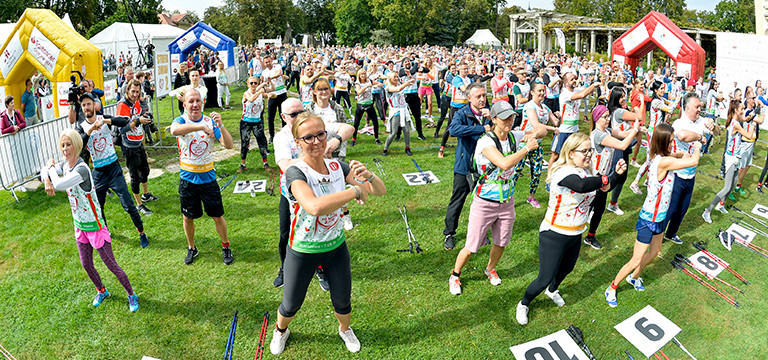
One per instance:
(321, 136)
(252, 83)
(585, 152)
(323, 89)
(294, 114)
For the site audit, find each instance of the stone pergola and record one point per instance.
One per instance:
(527, 28)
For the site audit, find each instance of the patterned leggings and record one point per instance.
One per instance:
(86, 259)
(536, 160)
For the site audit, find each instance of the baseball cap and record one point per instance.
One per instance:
(502, 110)
(87, 95)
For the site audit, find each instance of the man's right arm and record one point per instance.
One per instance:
(178, 129)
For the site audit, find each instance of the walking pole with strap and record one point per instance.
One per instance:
(578, 337)
(700, 246)
(759, 221)
(7, 354)
(409, 233)
(262, 337)
(228, 182)
(684, 260)
(423, 175)
(709, 286)
(231, 338)
(377, 161)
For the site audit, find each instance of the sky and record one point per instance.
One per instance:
(200, 6)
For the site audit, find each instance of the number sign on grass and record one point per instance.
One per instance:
(648, 330)
(557, 346)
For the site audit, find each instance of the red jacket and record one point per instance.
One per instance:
(5, 122)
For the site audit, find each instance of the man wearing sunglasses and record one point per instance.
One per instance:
(287, 153)
(195, 133)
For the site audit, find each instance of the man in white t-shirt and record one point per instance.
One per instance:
(275, 75)
(570, 104)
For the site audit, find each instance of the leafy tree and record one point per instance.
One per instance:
(319, 17)
(12, 10)
(381, 37)
(735, 16)
(354, 22)
(263, 18)
(223, 18)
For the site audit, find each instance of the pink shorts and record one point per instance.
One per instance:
(484, 214)
(425, 91)
(95, 238)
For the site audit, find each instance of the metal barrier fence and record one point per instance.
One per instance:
(27, 152)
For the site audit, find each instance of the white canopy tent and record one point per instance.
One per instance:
(119, 37)
(483, 37)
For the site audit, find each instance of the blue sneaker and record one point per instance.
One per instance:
(610, 297)
(100, 297)
(637, 283)
(144, 240)
(133, 303)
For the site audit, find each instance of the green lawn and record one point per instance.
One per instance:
(402, 307)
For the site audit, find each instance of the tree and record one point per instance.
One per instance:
(354, 22)
(263, 18)
(734, 15)
(140, 12)
(381, 37)
(12, 10)
(223, 18)
(319, 15)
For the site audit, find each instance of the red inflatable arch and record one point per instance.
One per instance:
(656, 30)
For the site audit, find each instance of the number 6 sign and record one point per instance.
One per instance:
(760, 210)
(648, 330)
(557, 346)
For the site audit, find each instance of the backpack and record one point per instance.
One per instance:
(477, 178)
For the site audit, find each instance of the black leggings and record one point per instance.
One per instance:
(294, 78)
(342, 95)
(557, 257)
(617, 155)
(598, 209)
(415, 104)
(284, 212)
(367, 109)
(273, 106)
(445, 105)
(298, 270)
(380, 103)
(257, 129)
(447, 133)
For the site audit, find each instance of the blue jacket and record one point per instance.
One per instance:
(467, 130)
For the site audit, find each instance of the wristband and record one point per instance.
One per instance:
(605, 180)
(357, 192)
(337, 137)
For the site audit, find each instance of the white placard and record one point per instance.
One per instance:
(703, 262)
(760, 210)
(418, 178)
(667, 40)
(46, 105)
(557, 346)
(682, 68)
(110, 89)
(741, 233)
(224, 57)
(175, 59)
(162, 80)
(186, 40)
(620, 59)
(11, 54)
(62, 89)
(42, 49)
(648, 330)
(250, 186)
(210, 39)
(634, 38)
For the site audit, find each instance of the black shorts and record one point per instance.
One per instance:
(193, 195)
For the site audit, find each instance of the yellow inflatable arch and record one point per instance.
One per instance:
(42, 41)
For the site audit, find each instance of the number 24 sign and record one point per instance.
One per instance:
(648, 330)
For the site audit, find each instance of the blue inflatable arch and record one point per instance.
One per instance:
(202, 34)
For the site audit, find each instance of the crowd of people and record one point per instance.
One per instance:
(500, 105)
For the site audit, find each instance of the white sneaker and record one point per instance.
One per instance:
(493, 277)
(277, 345)
(610, 297)
(707, 217)
(522, 314)
(454, 285)
(615, 209)
(347, 220)
(555, 296)
(353, 345)
(635, 188)
(634, 163)
(721, 208)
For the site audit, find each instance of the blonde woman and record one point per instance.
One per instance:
(222, 84)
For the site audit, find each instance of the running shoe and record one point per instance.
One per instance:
(615, 209)
(634, 163)
(533, 202)
(352, 143)
(320, 273)
(731, 197)
(191, 255)
(493, 277)
(278, 283)
(454, 285)
(241, 168)
(378, 142)
(143, 210)
(760, 189)
(226, 254)
(440, 154)
(277, 345)
(592, 241)
(148, 197)
(144, 240)
(707, 216)
(384, 153)
(408, 152)
(555, 296)
(637, 283)
(721, 208)
(675, 239)
(266, 166)
(610, 297)
(449, 243)
(353, 345)
(422, 137)
(100, 297)
(740, 191)
(635, 187)
(521, 314)
(133, 303)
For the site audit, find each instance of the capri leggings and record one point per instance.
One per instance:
(536, 160)
(731, 174)
(298, 270)
(557, 257)
(86, 259)
(394, 127)
(598, 209)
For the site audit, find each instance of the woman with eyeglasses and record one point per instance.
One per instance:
(328, 110)
(653, 214)
(572, 189)
(251, 121)
(316, 188)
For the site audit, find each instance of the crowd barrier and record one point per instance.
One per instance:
(27, 152)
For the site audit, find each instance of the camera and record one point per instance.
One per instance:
(76, 90)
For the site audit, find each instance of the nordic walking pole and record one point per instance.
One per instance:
(759, 221)
(377, 161)
(630, 356)
(7, 354)
(262, 337)
(680, 266)
(228, 182)
(423, 175)
(722, 263)
(663, 354)
(578, 337)
(407, 234)
(231, 339)
(681, 258)
(677, 342)
(410, 232)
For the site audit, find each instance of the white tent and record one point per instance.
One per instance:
(483, 37)
(119, 37)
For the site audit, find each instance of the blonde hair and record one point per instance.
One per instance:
(77, 141)
(301, 119)
(570, 144)
(314, 87)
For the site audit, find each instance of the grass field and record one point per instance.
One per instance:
(402, 307)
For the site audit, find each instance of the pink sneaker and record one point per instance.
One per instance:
(534, 202)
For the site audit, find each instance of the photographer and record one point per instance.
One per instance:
(76, 115)
(132, 142)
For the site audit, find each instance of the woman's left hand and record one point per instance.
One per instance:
(621, 166)
(359, 170)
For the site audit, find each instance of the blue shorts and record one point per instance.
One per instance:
(558, 141)
(647, 229)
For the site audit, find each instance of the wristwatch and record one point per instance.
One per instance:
(337, 137)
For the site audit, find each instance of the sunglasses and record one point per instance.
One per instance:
(294, 114)
(309, 139)
(252, 83)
